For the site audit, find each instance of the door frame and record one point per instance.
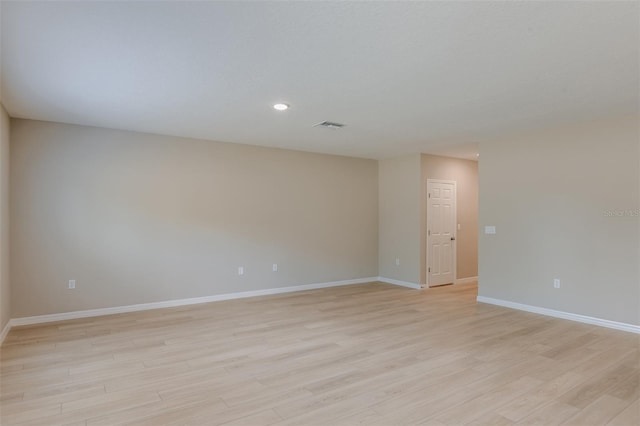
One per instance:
(455, 227)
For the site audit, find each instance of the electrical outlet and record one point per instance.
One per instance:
(556, 283)
(240, 270)
(397, 261)
(72, 284)
(274, 268)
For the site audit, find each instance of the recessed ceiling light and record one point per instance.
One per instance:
(280, 107)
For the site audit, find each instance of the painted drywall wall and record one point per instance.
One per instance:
(5, 290)
(565, 205)
(465, 173)
(399, 213)
(138, 218)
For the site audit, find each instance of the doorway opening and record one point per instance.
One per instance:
(449, 224)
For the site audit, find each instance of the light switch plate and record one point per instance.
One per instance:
(489, 229)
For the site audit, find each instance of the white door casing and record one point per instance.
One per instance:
(441, 232)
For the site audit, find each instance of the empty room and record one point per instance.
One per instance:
(319, 213)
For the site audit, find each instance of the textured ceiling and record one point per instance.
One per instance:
(404, 77)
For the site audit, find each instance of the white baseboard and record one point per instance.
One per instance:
(5, 331)
(560, 314)
(467, 280)
(400, 283)
(180, 302)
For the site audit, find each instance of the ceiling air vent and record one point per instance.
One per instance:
(329, 125)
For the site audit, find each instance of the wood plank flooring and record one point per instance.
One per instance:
(370, 354)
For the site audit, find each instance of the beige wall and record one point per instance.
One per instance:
(465, 173)
(138, 218)
(5, 290)
(399, 211)
(549, 194)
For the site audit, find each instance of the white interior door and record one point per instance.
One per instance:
(441, 232)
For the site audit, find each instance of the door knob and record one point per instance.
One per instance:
(453, 238)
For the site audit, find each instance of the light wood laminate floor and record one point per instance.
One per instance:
(364, 354)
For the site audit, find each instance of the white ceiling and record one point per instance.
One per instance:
(404, 77)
